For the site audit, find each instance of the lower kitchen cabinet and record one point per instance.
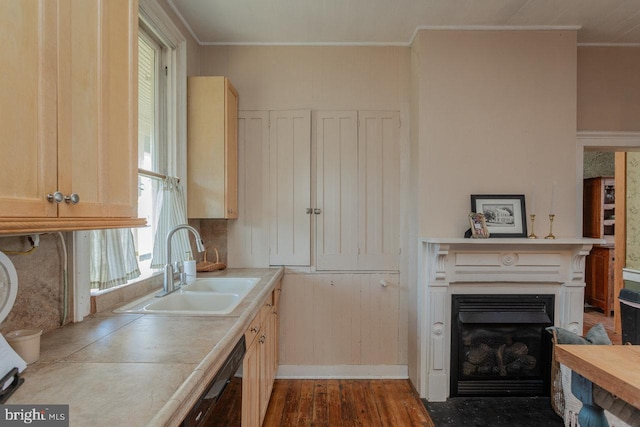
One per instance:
(260, 361)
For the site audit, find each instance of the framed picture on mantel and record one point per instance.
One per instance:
(504, 214)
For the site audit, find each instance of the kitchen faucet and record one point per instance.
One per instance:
(168, 267)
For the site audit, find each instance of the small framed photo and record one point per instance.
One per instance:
(479, 228)
(504, 214)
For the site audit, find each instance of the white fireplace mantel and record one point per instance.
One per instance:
(451, 266)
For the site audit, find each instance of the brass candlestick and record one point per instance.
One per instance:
(533, 221)
(551, 236)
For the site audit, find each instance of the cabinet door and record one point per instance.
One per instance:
(379, 190)
(336, 189)
(212, 148)
(290, 182)
(266, 381)
(251, 386)
(28, 114)
(231, 152)
(248, 237)
(599, 278)
(97, 107)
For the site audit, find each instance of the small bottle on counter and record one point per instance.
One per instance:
(189, 268)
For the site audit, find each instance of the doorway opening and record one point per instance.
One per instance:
(613, 156)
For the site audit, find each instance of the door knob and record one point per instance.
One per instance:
(56, 197)
(74, 199)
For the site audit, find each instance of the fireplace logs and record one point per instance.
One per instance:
(503, 360)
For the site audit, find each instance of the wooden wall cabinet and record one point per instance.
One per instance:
(212, 148)
(260, 361)
(68, 111)
(599, 222)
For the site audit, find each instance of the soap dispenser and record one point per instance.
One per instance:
(189, 267)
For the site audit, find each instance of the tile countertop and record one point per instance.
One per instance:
(138, 369)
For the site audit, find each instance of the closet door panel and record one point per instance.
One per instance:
(379, 190)
(248, 244)
(336, 137)
(290, 183)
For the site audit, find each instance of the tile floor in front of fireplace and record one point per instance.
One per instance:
(494, 412)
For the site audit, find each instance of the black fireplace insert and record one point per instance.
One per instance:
(499, 346)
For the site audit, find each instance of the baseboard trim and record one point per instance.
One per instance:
(343, 371)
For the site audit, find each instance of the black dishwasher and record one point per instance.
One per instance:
(221, 403)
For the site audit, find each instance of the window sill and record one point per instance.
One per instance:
(109, 299)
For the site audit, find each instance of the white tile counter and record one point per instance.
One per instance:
(138, 369)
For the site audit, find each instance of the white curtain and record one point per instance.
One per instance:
(173, 212)
(113, 258)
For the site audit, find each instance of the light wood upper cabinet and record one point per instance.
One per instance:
(212, 148)
(69, 112)
(98, 74)
(28, 108)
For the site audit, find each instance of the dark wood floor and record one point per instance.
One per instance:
(593, 315)
(334, 403)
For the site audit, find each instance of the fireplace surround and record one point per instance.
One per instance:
(451, 267)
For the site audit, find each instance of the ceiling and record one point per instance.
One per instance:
(394, 22)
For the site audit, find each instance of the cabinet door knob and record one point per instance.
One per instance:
(56, 197)
(317, 211)
(255, 329)
(74, 199)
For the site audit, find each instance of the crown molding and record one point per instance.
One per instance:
(492, 28)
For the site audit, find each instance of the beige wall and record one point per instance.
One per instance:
(286, 77)
(609, 88)
(497, 113)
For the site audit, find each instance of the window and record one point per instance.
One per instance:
(162, 116)
(152, 106)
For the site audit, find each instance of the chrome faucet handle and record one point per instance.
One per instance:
(183, 279)
(177, 266)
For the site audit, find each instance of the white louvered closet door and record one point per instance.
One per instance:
(379, 190)
(248, 237)
(290, 184)
(336, 189)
